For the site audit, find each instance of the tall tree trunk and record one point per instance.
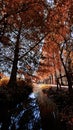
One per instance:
(12, 81)
(51, 79)
(68, 76)
(69, 79)
(61, 79)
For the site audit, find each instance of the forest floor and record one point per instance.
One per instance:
(64, 102)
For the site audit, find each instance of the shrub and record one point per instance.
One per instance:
(4, 81)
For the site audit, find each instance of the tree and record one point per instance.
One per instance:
(22, 30)
(66, 58)
(59, 22)
(39, 22)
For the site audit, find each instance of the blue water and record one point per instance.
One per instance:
(26, 116)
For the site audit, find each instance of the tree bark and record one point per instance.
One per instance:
(69, 79)
(13, 81)
(68, 76)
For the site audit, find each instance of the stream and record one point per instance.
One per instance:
(25, 116)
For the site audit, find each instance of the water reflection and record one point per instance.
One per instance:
(26, 116)
(0, 125)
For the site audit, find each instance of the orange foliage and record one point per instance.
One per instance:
(58, 24)
(31, 14)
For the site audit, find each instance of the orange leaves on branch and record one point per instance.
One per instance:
(37, 20)
(58, 23)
